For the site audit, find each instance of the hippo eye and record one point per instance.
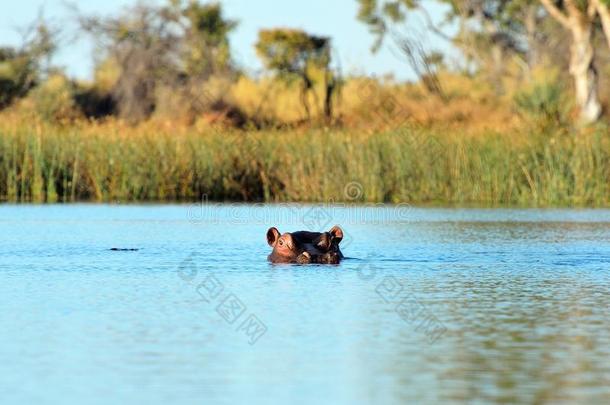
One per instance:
(281, 242)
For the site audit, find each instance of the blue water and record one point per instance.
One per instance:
(431, 306)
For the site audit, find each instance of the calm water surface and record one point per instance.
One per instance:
(433, 305)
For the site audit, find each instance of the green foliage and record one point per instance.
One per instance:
(207, 38)
(295, 54)
(16, 75)
(21, 68)
(545, 103)
(292, 52)
(208, 22)
(53, 100)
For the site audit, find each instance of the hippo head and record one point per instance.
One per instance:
(305, 247)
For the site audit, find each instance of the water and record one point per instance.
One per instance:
(433, 305)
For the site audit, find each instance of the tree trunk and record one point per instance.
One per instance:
(497, 50)
(330, 84)
(580, 24)
(304, 94)
(584, 73)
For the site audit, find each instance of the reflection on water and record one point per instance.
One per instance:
(433, 305)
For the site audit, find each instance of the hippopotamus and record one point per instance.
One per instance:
(305, 247)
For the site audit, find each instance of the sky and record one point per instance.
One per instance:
(334, 18)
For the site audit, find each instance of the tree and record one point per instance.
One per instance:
(21, 68)
(206, 53)
(176, 45)
(207, 49)
(578, 17)
(495, 34)
(296, 54)
(141, 44)
(503, 26)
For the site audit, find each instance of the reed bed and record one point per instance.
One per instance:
(113, 162)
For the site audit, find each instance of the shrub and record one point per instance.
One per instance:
(53, 100)
(17, 75)
(545, 103)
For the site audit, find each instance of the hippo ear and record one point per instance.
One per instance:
(272, 236)
(337, 233)
(323, 241)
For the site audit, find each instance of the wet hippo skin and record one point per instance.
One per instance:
(305, 247)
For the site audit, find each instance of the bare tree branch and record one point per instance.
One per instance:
(433, 27)
(417, 57)
(552, 9)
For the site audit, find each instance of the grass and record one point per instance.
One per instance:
(109, 162)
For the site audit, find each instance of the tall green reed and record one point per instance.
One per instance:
(46, 163)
